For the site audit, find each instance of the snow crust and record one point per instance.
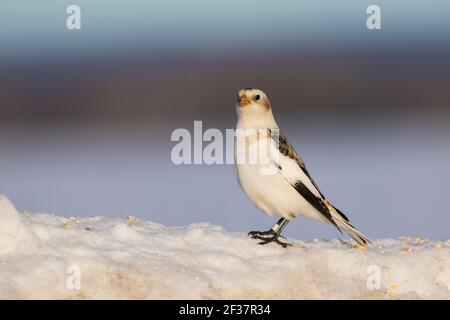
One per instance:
(43, 256)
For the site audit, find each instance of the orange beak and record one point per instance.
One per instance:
(243, 101)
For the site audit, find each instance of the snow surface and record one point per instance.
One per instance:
(132, 259)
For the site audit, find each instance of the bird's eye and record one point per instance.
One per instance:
(257, 97)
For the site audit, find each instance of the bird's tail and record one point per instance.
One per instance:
(344, 225)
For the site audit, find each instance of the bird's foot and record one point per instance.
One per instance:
(268, 237)
(261, 234)
(276, 240)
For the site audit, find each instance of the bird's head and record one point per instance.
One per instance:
(252, 101)
(252, 106)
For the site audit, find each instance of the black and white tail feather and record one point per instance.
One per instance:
(343, 224)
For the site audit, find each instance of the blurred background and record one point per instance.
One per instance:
(86, 115)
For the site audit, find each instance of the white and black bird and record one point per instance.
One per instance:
(289, 191)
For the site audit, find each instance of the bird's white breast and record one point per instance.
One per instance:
(272, 193)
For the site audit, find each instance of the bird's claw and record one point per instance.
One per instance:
(275, 239)
(261, 233)
(268, 237)
(259, 237)
(264, 235)
(265, 239)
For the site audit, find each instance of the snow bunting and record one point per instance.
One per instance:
(288, 191)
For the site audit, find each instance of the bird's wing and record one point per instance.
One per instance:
(292, 167)
(288, 151)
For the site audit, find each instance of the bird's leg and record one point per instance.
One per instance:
(273, 234)
(278, 228)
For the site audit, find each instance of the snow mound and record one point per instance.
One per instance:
(13, 232)
(49, 257)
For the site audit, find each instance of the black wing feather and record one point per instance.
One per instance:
(318, 203)
(288, 151)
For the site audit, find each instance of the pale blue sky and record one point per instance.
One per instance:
(37, 28)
